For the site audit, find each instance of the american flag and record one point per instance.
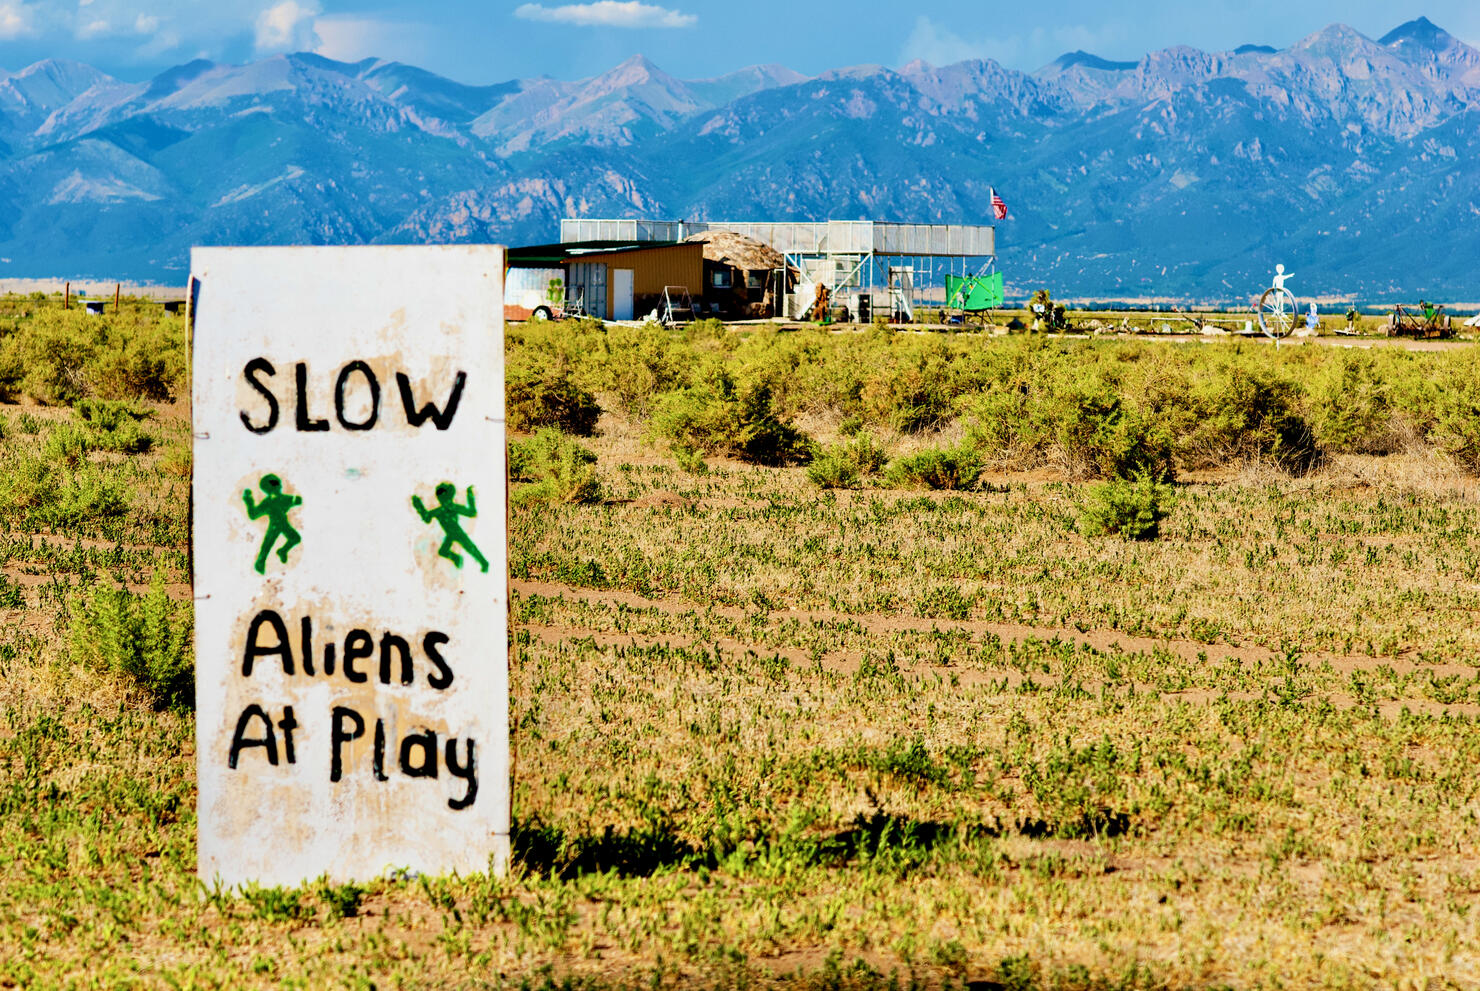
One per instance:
(999, 205)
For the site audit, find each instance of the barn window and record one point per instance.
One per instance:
(753, 280)
(720, 278)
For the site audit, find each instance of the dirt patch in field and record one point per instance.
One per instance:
(663, 500)
(847, 663)
(1098, 639)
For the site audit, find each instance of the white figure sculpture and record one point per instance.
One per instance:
(1280, 275)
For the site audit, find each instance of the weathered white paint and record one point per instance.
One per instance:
(367, 560)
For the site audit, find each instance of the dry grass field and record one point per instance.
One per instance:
(768, 732)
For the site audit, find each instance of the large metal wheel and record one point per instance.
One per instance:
(1277, 313)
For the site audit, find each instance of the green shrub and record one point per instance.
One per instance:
(559, 468)
(707, 328)
(106, 425)
(637, 364)
(145, 637)
(718, 417)
(999, 426)
(1453, 411)
(944, 468)
(47, 357)
(110, 415)
(12, 596)
(549, 397)
(846, 465)
(341, 901)
(690, 461)
(67, 444)
(1349, 405)
(1129, 509)
(139, 358)
(47, 491)
(1251, 416)
(1099, 435)
(914, 391)
(60, 356)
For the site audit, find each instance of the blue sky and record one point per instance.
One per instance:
(482, 42)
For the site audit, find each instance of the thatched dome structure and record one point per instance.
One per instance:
(738, 251)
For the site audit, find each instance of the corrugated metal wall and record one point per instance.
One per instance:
(652, 269)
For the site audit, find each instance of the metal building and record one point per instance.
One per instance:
(625, 283)
(853, 258)
(610, 280)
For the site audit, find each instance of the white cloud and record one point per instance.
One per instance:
(146, 24)
(287, 26)
(15, 21)
(608, 14)
(92, 29)
(349, 39)
(946, 46)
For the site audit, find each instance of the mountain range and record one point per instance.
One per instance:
(1186, 174)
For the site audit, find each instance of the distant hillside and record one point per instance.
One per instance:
(1355, 162)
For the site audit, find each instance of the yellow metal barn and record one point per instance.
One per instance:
(627, 283)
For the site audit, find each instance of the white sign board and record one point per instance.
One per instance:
(350, 562)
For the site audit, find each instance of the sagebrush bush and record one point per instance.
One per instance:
(717, 416)
(548, 397)
(637, 364)
(957, 467)
(60, 356)
(914, 397)
(144, 637)
(108, 414)
(1454, 412)
(42, 489)
(67, 444)
(558, 469)
(1350, 403)
(1100, 435)
(141, 358)
(846, 465)
(46, 358)
(999, 425)
(1091, 408)
(114, 425)
(1250, 415)
(1125, 508)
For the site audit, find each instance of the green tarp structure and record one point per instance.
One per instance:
(975, 292)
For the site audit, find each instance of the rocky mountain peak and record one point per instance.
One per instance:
(635, 71)
(1084, 60)
(1418, 33)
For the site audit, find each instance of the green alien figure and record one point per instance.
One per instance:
(275, 507)
(446, 514)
